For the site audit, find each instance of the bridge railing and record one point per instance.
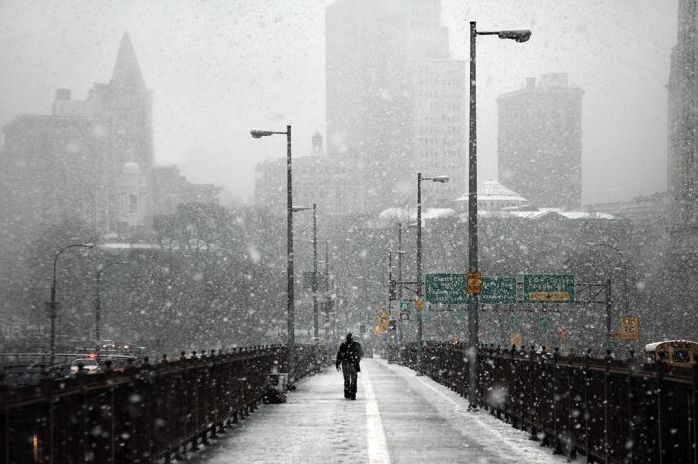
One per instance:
(615, 411)
(143, 413)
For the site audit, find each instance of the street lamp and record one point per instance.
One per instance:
(52, 303)
(98, 306)
(473, 301)
(608, 285)
(256, 133)
(419, 304)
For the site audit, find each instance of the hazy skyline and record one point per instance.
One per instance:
(219, 68)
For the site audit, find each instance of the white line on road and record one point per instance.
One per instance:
(375, 434)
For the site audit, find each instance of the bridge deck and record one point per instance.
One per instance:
(397, 417)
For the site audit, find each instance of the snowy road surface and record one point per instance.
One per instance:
(397, 417)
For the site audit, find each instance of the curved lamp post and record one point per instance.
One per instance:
(52, 303)
(419, 304)
(625, 284)
(257, 134)
(473, 301)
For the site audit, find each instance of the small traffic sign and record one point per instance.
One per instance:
(406, 305)
(474, 283)
(517, 338)
(515, 323)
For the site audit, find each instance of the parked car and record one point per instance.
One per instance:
(89, 366)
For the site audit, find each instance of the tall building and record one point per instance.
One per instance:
(88, 160)
(682, 252)
(683, 123)
(395, 97)
(540, 141)
(91, 160)
(330, 182)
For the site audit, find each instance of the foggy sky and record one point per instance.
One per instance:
(219, 68)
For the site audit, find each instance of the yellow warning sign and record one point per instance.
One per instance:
(517, 338)
(474, 283)
(629, 328)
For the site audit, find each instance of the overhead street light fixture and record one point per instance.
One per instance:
(519, 35)
(419, 304)
(258, 133)
(442, 179)
(472, 349)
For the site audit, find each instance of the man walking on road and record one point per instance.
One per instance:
(348, 357)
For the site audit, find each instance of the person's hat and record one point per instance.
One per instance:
(349, 336)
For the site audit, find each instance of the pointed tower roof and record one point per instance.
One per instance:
(127, 71)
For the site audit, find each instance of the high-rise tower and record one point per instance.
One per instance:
(683, 121)
(395, 98)
(540, 141)
(682, 256)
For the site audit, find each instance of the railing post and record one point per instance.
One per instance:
(532, 395)
(630, 393)
(694, 442)
(660, 384)
(5, 419)
(557, 448)
(587, 381)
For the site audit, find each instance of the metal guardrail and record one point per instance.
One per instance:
(144, 413)
(609, 410)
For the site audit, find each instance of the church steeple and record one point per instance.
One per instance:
(127, 71)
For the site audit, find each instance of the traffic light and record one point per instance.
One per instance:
(392, 290)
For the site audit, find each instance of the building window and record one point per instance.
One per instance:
(133, 204)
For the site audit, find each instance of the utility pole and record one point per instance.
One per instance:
(399, 278)
(328, 298)
(315, 308)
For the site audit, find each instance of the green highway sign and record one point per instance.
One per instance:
(515, 323)
(446, 288)
(548, 288)
(498, 290)
(406, 305)
(545, 323)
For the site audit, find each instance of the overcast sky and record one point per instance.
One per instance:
(219, 68)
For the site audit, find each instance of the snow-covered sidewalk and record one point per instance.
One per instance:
(397, 417)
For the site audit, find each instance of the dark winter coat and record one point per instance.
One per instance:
(349, 354)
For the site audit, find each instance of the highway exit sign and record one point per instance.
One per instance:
(542, 288)
(446, 288)
(498, 290)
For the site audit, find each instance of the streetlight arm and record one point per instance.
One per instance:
(519, 35)
(58, 254)
(258, 134)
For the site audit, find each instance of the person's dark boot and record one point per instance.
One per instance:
(353, 396)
